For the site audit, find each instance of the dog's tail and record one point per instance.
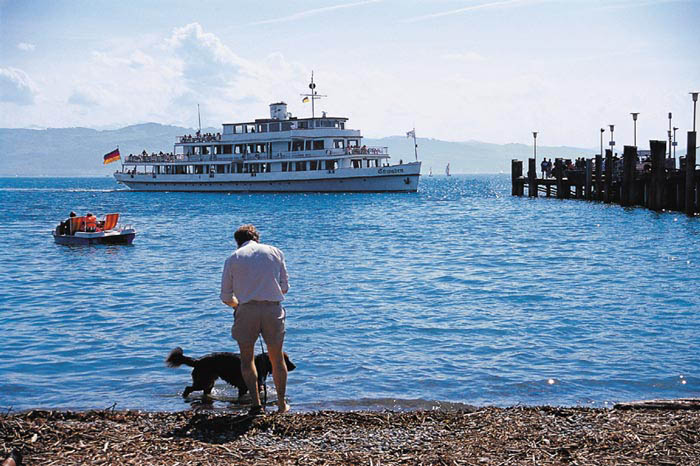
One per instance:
(176, 358)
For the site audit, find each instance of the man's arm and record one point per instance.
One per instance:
(284, 278)
(226, 295)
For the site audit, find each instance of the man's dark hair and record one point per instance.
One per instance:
(246, 233)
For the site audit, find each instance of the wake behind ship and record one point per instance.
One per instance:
(280, 153)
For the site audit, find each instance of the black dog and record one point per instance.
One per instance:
(225, 365)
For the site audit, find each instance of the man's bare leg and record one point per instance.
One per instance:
(248, 371)
(279, 375)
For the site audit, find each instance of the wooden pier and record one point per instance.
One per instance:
(656, 184)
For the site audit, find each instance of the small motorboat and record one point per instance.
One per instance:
(78, 231)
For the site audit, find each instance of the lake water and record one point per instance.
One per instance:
(459, 293)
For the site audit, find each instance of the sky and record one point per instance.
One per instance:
(457, 70)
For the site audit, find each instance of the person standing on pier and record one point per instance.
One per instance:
(543, 167)
(254, 283)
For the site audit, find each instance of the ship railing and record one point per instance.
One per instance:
(131, 158)
(367, 150)
(155, 158)
(331, 152)
(207, 137)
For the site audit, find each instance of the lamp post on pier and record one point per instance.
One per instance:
(675, 143)
(534, 135)
(634, 118)
(602, 130)
(670, 140)
(612, 140)
(695, 101)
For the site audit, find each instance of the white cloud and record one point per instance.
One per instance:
(26, 46)
(136, 60)
(165, 80)
(204, 59)
(16, 87)
(85, 98)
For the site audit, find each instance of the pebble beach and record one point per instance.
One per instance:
(515, 435)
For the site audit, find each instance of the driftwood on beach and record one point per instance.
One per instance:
(519, 435)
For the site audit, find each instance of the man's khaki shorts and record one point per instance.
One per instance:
(256, 317)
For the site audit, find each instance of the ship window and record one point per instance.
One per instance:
(331, 164)
(286, 125)
(300, 166)
(284, 166)
(318, 144)
(239, 168)
(356, 163)
(308, 145)
(313, 165)
(338, 143)
(303, 124)
(297, 145)
(228, 149)
(342, 125)
(352, 143)
(262, 128)
(274, 127)
(220, 169)
(250, 128)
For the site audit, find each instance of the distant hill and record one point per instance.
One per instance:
(79, 151)
(470, 156)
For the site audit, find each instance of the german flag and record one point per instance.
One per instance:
(111, 157)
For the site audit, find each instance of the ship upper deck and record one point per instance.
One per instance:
(268, 130)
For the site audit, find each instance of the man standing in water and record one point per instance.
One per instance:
(254, 283)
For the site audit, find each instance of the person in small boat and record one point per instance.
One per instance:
(90, 223)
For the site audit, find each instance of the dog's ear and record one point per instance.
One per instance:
(288, 362)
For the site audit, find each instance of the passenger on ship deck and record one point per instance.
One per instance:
(253, 283)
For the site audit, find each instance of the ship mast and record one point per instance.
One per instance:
(314, 96)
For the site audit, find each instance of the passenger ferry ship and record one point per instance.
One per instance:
(280, 153)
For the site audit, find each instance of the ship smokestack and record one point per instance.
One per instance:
(278, 111)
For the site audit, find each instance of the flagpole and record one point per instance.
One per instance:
(314, 95)
(313, 91)
(199, 117)
(415, 144)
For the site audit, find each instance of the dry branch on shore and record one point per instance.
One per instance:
(520, 435)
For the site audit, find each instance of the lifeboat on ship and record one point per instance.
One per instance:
(87, 230)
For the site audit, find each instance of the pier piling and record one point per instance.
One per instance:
(607, 186)
(516, 169)
(691, 197)
(658, 174)
(532, 178)
(599, 177)
(628, 169)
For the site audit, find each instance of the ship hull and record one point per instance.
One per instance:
(397, 178)
(86, 239)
